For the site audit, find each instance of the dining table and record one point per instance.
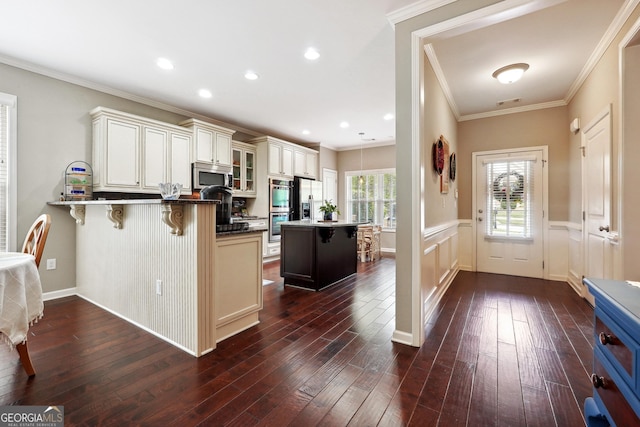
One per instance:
(20, 296)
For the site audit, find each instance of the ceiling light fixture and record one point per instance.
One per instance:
(344, 125)
(510, 73)
(388, 116)
(250, 75)
(306, 132)
(311, 54)
(205, 93)
(164, 63)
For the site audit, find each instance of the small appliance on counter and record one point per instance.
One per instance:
(223, 209)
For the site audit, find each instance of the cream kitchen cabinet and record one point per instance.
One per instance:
(244, 169)
(277, 155)
(305, 163)
(238, 279)
(212, 143)
(135, 154)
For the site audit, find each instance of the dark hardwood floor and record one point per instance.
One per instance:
(500, 350)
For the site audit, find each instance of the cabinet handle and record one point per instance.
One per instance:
(605, 228)
(606, 338)
(598, 382)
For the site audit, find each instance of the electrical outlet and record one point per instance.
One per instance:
(51, 264)
(159, 287)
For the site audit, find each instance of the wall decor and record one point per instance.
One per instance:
(444, 177)
(452, 166)
(438, 156)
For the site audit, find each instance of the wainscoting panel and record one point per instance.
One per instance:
(465, 245)
(574, 274)
(558, 251)
(429, 280)
(438, 266)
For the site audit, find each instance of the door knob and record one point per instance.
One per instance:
(479, 210)
(605, 228)
(479, 219)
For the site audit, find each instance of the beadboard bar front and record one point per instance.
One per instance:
(159, 281)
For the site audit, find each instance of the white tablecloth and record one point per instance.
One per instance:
(20, 296)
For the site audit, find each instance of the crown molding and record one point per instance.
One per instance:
(444, 85)
(616, 26)
(68, 78)
(415, 9)
(524, 108)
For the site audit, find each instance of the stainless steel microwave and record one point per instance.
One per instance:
(204, 174)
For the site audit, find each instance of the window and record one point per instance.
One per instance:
(7, 172)
(371, 196)
(510, 198)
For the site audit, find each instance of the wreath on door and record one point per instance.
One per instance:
(508, 185)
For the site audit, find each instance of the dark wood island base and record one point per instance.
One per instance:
(316, 255)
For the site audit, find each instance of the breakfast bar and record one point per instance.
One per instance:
(161, 265)
(315, 255)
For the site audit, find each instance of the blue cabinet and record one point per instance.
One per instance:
(615, 378)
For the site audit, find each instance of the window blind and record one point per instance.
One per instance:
(510, 200)
(4, 175)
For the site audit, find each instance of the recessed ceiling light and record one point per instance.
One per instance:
(311, 54)
(388, 116)
(164, 63)
(344, 125)
(511, 73)
(205, 93)
(250, 75)
(306, 132)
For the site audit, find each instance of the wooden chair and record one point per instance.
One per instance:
(34, 245)
(368, 242)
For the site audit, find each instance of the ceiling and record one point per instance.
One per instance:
(113, 46)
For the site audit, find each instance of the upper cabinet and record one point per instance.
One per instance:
(212, 143)
(244, 169)
(285, 159)
(135, 154)
(280, 159)
(305, 162)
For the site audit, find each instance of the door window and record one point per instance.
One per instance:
(509, 199)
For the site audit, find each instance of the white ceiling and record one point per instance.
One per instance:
(113, 45)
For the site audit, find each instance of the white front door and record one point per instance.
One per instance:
(597, 197)
(509, 212)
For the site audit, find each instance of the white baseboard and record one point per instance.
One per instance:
(48, 296)
(402, 337)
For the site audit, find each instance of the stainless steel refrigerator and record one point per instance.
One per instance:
(307, 199)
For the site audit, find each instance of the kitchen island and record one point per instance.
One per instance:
(315, 255)
(160, 265)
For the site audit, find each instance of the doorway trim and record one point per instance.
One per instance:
(630, 39)
(545, 202)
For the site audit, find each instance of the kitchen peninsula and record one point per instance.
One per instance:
(315, 255)
(160, 265)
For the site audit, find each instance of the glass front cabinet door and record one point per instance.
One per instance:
(244, 162)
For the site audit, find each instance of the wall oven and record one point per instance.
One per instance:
(279, 206)
(275, 218)
(279, 195)
(205, 174)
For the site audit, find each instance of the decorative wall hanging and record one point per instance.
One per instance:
(444, 177)
(452, 167)
(438, 156)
